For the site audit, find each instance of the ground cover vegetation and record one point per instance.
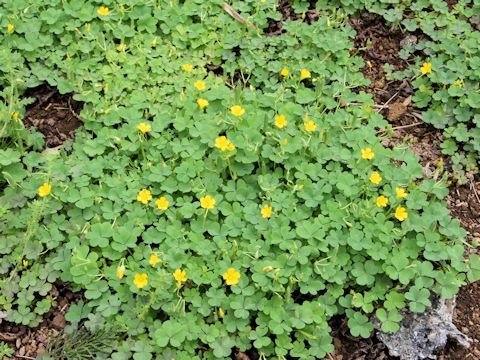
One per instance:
(228, 189)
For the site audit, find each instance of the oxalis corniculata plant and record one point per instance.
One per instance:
(447, 88)
(202, 213)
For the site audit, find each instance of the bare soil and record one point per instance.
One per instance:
(29, 343)
(52, 114)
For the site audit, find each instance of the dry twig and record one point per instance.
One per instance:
(231, 11)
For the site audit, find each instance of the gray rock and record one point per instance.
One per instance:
(420, 335)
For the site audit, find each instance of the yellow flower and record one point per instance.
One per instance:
(426, 68)
(121, 46)
(280, 121)
(367, 154)
(180, 275)
(382, 201)
(122, 8)
(375, 178)
(69, 58)
(140, 280)
(25, 262)
(459, 83)
(231, 276)
(15, 115)
(237, 110)
(44, 190)
(144, 196)
(305, 74)
(224, 144)
(309, 124)
(154, 259)
(401, 193)
(202, 103)
(284, 72)
(207, 202)
(267, 268)
(199, 85)
(144, 128)
(103, 11)
(10, 28)
(162, 203)
(120, 272)
(401, 213)
(187, 67)
(153, 43)
(266, 211)
(221, 312)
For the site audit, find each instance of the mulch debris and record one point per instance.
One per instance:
(30, 343)
(285, 7)
(56, 116)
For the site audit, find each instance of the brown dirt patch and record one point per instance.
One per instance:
(285, 7)
(348, 347)
(378, 44)
(30, 343)
(467, 319)
(451, 3)
(52, 114)
(464, 204)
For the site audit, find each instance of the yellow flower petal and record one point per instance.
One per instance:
(305, 74)
(162, 203)
(382, 201)
(237, 110)
(154, 260)
(280, 121)
(426, 68)
(144, 128)
(120, 272)
(103, 11)
(401, 213)
(309, 124)
(180, 275)
(266, 211)
(199, 85)
(207, 202)
(140, 280)
(224, 144)
(202, 103)
(367, 154)
(231, 276)
(401, 193)
(144, 196)
(44, 190)
(375, 178)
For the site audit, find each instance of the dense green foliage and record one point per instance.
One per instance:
(336, 239)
